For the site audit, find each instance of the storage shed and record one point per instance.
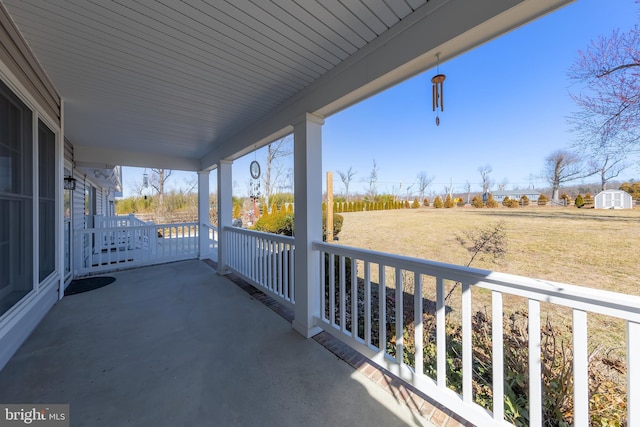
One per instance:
(613, 199)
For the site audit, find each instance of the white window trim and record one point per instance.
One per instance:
(38, 113)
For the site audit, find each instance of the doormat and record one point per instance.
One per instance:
(86, 284)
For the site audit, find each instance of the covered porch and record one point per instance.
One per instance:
(195, 86)
(177, 344)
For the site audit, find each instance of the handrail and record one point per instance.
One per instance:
(118, 221)
(270, 236)
(210, 226)
(615, 304)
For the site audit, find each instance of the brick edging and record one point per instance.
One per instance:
(398, 388)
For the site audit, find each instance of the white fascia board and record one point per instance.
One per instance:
(108, 158)
(445, 27)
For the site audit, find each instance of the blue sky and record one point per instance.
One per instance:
(506, 105)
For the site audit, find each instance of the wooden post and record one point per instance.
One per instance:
(329, 207)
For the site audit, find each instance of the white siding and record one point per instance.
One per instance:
(99, 201)
(77, 217)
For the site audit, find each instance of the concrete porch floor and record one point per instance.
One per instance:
(178, 345)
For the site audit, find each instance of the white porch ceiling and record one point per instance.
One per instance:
(181, 84)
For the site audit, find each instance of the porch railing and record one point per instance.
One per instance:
(108, 248)
(130, 220)
(361, 280)
(211, 251)
(264, 260)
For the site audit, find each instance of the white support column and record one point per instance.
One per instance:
(225, 211)
(203, 213)
(307, 135)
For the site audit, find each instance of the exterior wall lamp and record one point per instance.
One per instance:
(69, 183)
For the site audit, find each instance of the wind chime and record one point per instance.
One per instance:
(145, 182)
(254, 186)
(254, 190)
(437, 91)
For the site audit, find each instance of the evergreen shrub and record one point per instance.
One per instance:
(448, 202)
(491, 202)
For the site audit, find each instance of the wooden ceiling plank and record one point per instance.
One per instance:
(317, 25)
(307, 27)
(383, 12)
(152, 81)
(366, 15)
(333, 22)
(337, 9)
(400, 8)
(414, 4)
(274, 23)
(261, 37)
(154, 62)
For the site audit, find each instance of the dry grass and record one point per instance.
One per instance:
(593, 248)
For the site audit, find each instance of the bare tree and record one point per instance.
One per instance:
(158, 181)
(503, 184)
(467, 188)
(274, 170)
(288, 180)
(409, 192)
(562, 166)
(137, 187)
(190, 185)
(396, 191)
(373, 180)
(447, 190)
(607, 91)
(607, 166)
(486, 181)
(423, 182)
(346, 178)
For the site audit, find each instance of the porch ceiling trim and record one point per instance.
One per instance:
(102, 157)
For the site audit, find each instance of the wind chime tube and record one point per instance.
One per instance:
(442, 95)
(433, 97)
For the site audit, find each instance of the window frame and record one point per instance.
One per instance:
(15, 90)
(18, 232)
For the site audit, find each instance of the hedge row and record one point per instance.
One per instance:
(283, 222)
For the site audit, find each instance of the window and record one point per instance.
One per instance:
(68, 197)
(90, 205)
(47, 200)
(16, 199)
